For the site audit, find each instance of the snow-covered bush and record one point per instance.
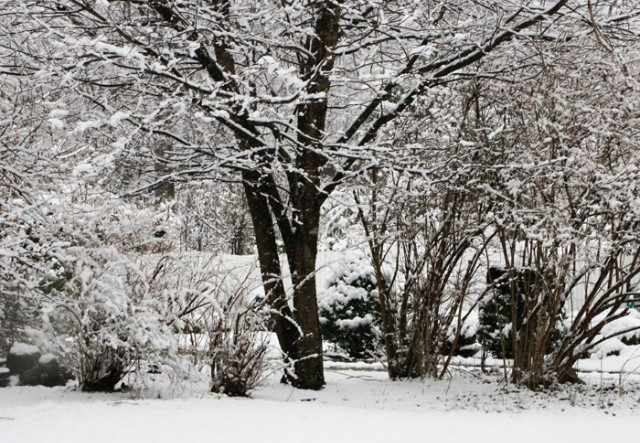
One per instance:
(466, 344)
(426, 241)
(99, 309)
(106, 322)
(617, 334)
(348, 307)
(28, 165)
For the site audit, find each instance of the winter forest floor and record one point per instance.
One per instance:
(356, 405)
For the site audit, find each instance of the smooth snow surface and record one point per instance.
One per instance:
(356, 406)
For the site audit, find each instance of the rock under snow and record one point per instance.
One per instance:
(23, 349)
(22, 357)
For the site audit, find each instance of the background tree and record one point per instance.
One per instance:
(223, 225)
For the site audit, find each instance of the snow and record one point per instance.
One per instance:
(469, 327)
(23, 349)
(355, 406)
(608, 347)
(355, 322)
(126, 51)
(632, 320)
(83, 126)
(336, 287)
(46, 359)
(117, 118)
(56, 123)
(627, 361)
(58, 113)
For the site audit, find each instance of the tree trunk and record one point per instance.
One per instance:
(300, 341)
(281, 318)
(302, 263)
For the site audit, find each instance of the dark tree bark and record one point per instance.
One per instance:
(270, 268)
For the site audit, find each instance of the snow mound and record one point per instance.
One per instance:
(612, 346)
(46, 359)
(626, 323)
(23, 349)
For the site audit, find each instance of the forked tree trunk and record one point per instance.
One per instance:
(298, 331)
(270, 269)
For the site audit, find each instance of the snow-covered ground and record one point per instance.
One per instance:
(355, 406)
(359, 404)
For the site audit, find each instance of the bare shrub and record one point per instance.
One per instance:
(238, 340)
(426, 243)
(565, 208)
